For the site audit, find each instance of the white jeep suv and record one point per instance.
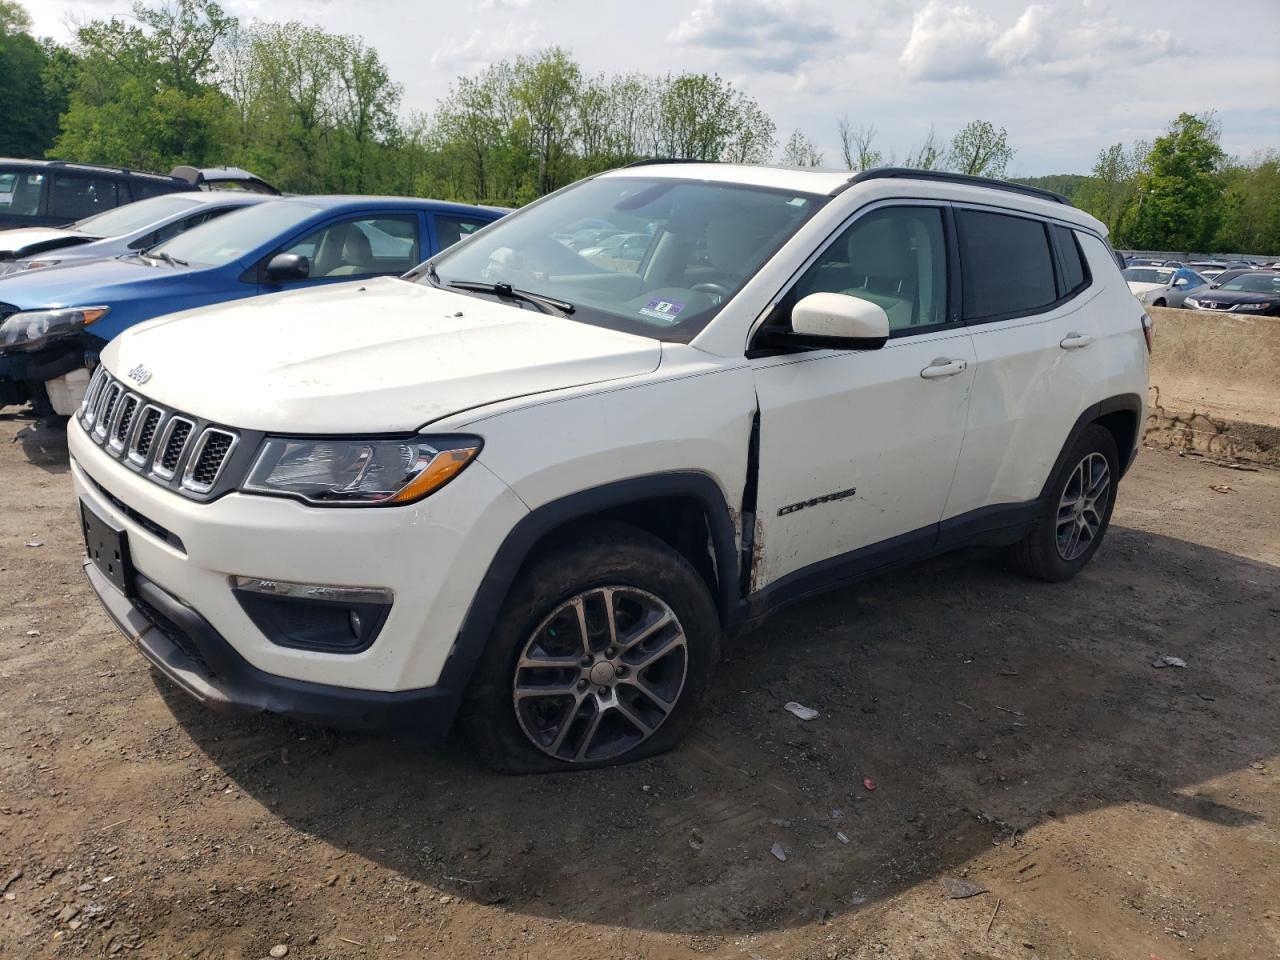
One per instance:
(537, 488)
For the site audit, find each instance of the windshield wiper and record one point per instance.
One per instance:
(546, 304)
(167, 258)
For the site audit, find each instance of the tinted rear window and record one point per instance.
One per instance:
(76, 196)
(1074, 275)
(1006, 264)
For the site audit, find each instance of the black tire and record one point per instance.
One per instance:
(1159, 303)
(593, 559)
(1040, 554)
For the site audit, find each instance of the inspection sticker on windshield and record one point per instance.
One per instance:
(668, 310)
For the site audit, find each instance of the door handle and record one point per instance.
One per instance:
(1074, 341)
(943, 367)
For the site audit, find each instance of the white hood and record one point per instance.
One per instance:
(381, 355)
(19, 239)
(1138, 289)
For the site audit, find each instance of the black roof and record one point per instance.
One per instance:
(88, 167)
(910, 173)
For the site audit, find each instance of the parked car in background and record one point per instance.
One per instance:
(224, 178)
(55, 322)
(1163, 286)
(1227, 275)
(38, 193)
(135, 226)
(1256, 293)
(539, 488)
(1207, 268)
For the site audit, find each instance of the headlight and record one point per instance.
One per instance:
(359, 472)
(32, 329)
(1254, 306)
(1192, 302)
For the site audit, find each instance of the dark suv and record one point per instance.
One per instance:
(42, 193)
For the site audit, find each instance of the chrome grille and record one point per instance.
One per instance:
(207, 459)
(144, 433)
(124, 419)
(88, 404)
(172, 442)
(107, 406)
(181, 452)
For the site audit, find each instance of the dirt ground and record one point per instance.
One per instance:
(1016, 734)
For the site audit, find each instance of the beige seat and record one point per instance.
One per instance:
(344, 251)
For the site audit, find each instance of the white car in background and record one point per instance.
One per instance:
(1163, 286)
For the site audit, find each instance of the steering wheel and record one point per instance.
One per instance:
(717, 291)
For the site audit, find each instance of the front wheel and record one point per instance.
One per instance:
(600, 655)
(1076, 511)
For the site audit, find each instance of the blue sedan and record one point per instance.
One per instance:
(55, 322)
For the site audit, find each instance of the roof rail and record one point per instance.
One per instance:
(910, 173)
(650, 161)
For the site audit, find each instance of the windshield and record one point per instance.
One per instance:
(1148, 275)
(1254, 283)
(132, 216)
(230, 237)
(652, 256)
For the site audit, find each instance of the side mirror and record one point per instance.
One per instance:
(838, 321)
(284, 267)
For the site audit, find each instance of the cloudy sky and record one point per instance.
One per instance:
(1065, 77)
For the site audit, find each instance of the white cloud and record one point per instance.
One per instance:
(470, 55)
(778, 36)
(958, 42)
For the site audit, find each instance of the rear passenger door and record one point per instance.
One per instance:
(857, 449)
(1027, 303)
(74, 196)
(448, 228)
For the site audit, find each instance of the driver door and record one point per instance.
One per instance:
(858, 448)
(356, 247)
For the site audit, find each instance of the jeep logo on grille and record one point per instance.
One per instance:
(140, 374)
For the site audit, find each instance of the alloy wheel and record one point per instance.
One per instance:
(1083, 506)
(600, 675)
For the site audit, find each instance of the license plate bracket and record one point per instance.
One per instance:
(108, 548)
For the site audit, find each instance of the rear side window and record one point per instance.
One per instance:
(77, 197)
(450, 230)
(1073, 275)
(1006, 265)
(142, 189)
(20, 192)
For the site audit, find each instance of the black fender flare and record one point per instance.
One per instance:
(1124, 402)
(519, 543)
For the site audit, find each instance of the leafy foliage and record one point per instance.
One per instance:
(182, 81)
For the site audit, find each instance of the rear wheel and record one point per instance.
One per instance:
(600, 656)
(1159, 303)
(1076, 511)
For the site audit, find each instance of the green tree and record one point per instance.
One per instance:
(1251, 206)
(143, 93)
(929, 156)
(799, 151)
(855, 146)
(980, 150)
(33, 95)
(1113, 187)
(1179, 194)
